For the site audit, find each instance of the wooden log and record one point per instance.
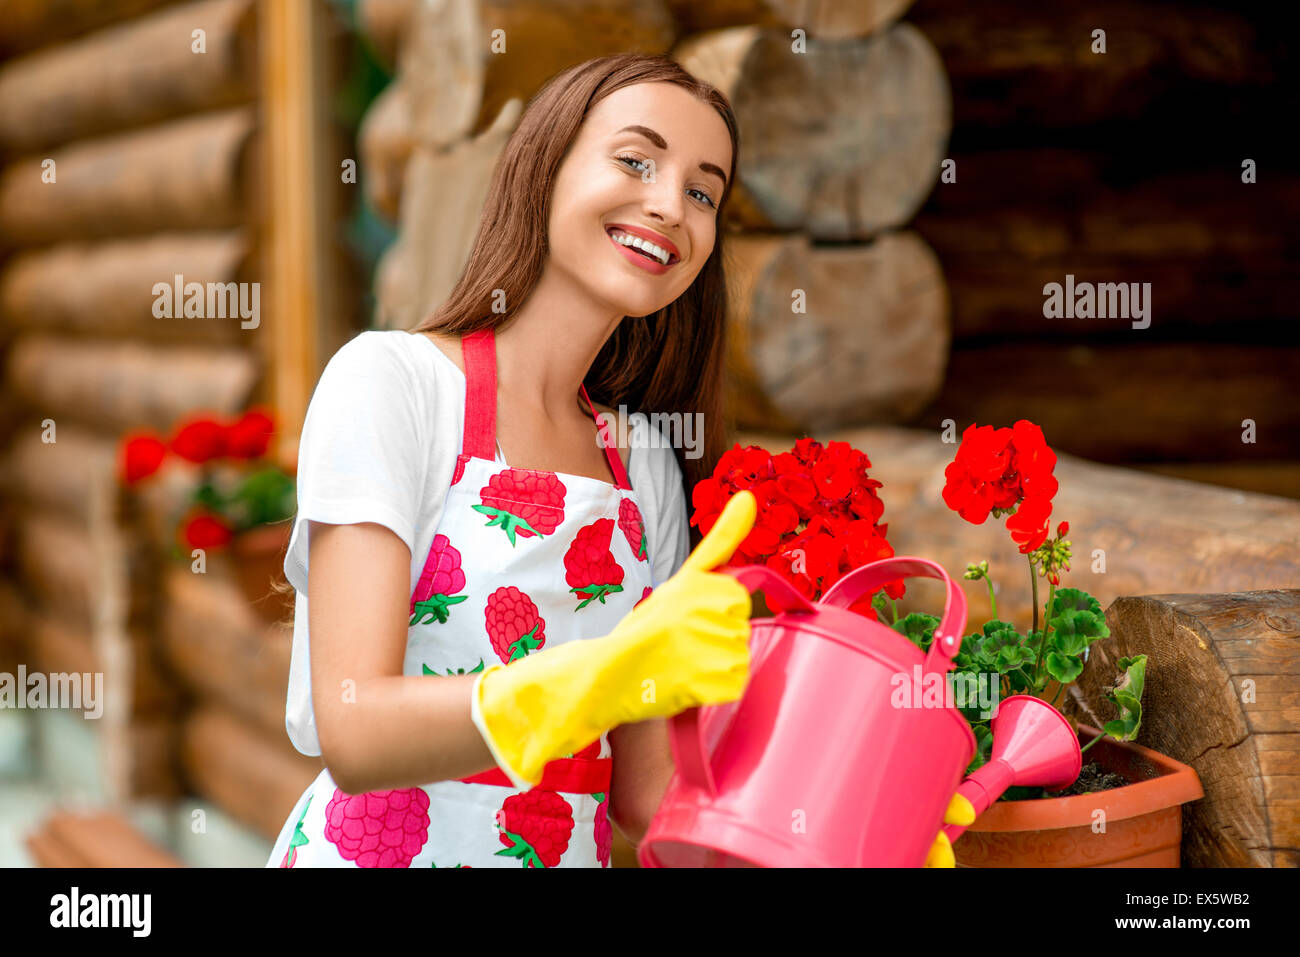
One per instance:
(114, 295)
(59, 566)
(459, 83)
(1269, 478)
(33, 23)
(1030, 66)
(62, 476)
(140, 72)
(386, 141)
(101, 838)
(822, 21)
(213, 642)
(1223, 695)
(48, 851)
(141, 757)
(58, 648)
(254, 778)
(442, 202)
(1154, 534)
(128, 385)
(869, 346)
(194, 173)
(1132, 401)
(385, 24)
(859, 162)
(1015, 220)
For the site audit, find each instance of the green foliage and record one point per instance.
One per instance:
(1127, 699)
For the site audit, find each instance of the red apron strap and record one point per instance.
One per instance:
(611, 448)
(568, 775)
(480, 354)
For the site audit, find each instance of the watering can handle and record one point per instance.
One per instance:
(947, 636)
(686, 734)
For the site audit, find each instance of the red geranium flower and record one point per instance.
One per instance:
(207, 531)
(200, 440)
(249, 436)
(981, 476)
(142, 455)
(1028, 526)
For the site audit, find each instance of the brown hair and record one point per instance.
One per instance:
(669, 361)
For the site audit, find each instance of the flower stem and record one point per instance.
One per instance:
(993, 602)
(894, 607)
(1042, 642)
(1092, 742)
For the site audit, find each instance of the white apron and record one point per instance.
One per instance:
(523, 560)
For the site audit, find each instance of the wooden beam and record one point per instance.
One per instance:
(297, 209)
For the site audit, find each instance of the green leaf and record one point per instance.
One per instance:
(1127, 699)
(1064, 668)
(917, 628)
(879, 601)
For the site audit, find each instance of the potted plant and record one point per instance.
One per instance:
(242, 504)
(1126, 805)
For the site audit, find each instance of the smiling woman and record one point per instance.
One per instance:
(494, 710)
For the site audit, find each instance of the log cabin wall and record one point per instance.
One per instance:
(924, 298)
(140, 141)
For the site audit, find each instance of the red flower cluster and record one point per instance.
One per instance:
(818, 514)
(199, 440)
(1000, 469)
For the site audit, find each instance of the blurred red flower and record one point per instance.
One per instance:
(141, 456)
(199, 440)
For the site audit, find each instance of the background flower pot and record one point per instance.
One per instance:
(257, 557)
(1143, 821)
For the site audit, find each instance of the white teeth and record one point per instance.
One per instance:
(624, 239)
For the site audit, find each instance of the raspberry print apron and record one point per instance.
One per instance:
(523, 560)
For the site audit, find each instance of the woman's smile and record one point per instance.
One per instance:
(634, 248)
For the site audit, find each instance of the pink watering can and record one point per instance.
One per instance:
(828, 759)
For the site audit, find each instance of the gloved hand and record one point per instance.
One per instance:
(687, 644)
(960, 812)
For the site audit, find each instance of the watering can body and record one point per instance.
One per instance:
(831, 758)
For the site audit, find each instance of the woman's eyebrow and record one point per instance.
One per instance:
(662, 143)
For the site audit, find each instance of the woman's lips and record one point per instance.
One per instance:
(649, 265)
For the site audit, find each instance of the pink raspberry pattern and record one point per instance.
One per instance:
(604, 832)
(629, 522)
(514, 625)
(589, 566)
(523, 502)
(644, 595)
(535, 827)
(441, 578)
(379, 828)
(298, 839)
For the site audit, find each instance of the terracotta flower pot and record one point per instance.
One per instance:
(257, 557)
(1142, 821)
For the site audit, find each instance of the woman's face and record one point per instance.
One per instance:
(659, 181)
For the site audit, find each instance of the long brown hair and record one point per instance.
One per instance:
(670, 361)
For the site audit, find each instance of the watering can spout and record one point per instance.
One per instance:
(1033, 746)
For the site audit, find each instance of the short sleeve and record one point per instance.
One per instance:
(657, 478)
(361, 453)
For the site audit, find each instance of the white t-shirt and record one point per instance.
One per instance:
(379, 444)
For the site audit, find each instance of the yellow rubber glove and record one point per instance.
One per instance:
(960, 812)
(687, 644)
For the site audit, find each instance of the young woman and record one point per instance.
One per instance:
(502, 610)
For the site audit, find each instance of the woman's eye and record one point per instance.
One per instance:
(633, 162)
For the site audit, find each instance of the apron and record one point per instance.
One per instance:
(523, 560)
